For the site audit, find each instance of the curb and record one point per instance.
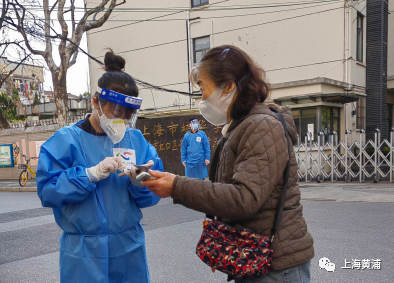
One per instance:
(344, 200)
(18, 189)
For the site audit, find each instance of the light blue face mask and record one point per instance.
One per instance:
(195, 127)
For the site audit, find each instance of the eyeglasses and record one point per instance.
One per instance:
(223, 55)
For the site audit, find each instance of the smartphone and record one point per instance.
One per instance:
(145, 176)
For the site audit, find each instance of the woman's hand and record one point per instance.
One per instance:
(161, 187)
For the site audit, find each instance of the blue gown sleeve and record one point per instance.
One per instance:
(59, 183)
(207, 148)
(142, 196)
(184, 149)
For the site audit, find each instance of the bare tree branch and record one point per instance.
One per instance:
(4, 12)
(84, 26)
(95, 15)
(124, 2)
(95, 24)
(53, 7)
(48, 43)
(68, 48)
(73, 24)
(64, 26)
(22, 31)
(80, 27)
(73, 16)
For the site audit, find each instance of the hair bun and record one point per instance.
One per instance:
(114, 63)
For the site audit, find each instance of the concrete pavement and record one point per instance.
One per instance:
(29, 241)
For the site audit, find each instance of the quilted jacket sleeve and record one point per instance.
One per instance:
(260, 155)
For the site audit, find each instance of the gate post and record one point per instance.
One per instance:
(306, 158)
(320, 137)
(377, 140)
(333, 145)
(362, 161)
(391, 155)
(346, 156)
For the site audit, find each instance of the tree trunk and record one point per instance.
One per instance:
(61, 98)
(4, 121)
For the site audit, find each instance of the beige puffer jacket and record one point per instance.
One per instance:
(249, 181)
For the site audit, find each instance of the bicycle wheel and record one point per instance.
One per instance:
(23, 178)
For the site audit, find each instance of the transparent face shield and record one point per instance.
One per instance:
(117, 113)
(195, 125)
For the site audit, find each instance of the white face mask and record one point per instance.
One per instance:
(114, 128)
(214, 109)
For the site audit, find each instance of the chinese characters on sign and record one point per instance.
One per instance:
(373, 264)
(158, 130)
(166, 135)
(172, 128)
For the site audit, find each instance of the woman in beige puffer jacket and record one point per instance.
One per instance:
(249, 177)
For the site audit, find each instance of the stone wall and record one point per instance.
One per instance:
(26, 139)
(165, 134)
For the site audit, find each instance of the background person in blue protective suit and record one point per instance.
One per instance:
(103, 240)
(196, 153)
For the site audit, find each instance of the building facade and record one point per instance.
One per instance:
(314, 54)
(26, 78)
(390, 67)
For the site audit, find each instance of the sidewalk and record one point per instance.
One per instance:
(352, 192)
(327, 191)
(13, 186)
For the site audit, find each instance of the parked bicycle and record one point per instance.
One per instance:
(24, 174)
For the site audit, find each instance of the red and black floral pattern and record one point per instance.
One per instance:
(238, 252)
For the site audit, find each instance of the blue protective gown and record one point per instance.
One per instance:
(195, 150)
(103, 240)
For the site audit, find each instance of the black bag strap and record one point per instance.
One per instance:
(281, 203)
(214, 166)
(215, 160)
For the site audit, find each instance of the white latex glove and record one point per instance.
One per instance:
(206, 163)
(149, 164)
(104, 168)
(184, 164)
(132, 174)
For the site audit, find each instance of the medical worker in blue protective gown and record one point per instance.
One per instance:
(196, 153)
(77, 175)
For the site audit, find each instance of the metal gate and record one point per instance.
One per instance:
(346, 160)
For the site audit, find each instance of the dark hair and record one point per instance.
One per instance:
(190, 120)
(234, 65)
(115, 78)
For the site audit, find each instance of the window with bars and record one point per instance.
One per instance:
(201, 46)
(304, 118)
(330, 121)
(360, 37)
(196, 3)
